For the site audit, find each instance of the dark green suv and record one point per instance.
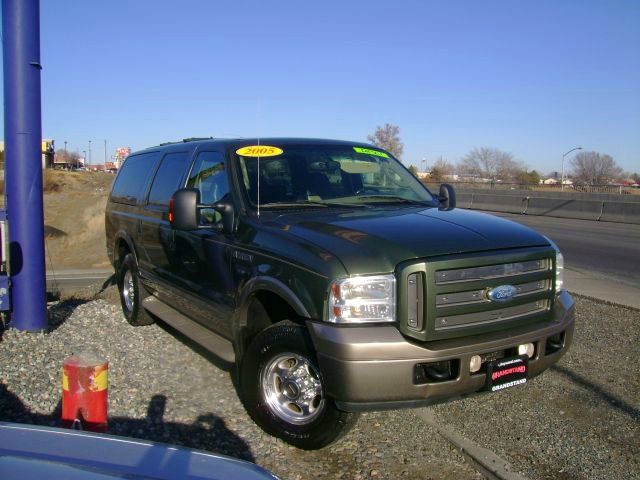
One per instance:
(331, 278)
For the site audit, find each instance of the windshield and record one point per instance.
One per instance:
(325, 175)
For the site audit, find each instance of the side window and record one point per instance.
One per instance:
(133, 176)
(167, 178)
(209, 175)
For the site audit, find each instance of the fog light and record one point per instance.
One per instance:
(475, 363)
(526, 349)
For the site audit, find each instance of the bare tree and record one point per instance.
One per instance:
(388, 137)
(414, 170)
(71, 159)
(490, 163)
(441, 168)
(594, 168)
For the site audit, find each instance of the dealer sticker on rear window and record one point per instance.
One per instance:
(259, 151)
(370, 151)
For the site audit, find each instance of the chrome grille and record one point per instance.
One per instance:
(455, 293)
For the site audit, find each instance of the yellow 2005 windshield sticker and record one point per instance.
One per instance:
(370, 151)
(259, 151)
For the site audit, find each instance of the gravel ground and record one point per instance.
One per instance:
(162, 388)
(578, 421)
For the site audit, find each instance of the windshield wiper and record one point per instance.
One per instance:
(311, 203)
(304, 203)
(393, 199)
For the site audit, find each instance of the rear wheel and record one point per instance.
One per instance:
(131, 293)
(283, 392)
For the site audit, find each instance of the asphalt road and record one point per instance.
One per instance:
(606, 249)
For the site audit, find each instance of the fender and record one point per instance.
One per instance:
(276, 286)
(261, 283)
(122, 235)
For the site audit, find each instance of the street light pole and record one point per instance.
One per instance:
(84, 163)
(89, 152)
(562, 174)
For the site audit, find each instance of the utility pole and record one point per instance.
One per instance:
(89, 152)
(23, 164)
(562, 175)
(105, 154)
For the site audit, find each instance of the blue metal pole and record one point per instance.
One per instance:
(23, 162)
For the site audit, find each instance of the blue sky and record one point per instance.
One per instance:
(535, 78)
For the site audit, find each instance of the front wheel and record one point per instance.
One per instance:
(282, 389)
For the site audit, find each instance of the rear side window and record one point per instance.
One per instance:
(133, 177)
(167, 179)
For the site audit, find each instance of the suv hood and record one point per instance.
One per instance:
(377, 239)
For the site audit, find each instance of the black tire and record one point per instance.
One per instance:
(317, 429)
(132, 293)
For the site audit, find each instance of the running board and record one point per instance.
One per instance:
(213, 342)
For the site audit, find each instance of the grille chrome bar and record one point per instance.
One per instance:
(490, 316)
(486, 272)
(479, 296)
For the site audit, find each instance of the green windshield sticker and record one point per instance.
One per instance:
(369, 151)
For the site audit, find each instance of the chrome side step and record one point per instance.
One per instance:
(213, 342)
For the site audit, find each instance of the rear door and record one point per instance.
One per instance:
(156, 235)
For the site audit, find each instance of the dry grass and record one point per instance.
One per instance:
(74, 219)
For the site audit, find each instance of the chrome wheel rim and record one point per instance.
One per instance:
(292, 389)
(128, 293)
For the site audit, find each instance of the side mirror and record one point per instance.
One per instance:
(184, 211)
(447, 197)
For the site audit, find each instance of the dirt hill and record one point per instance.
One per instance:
(74, 205)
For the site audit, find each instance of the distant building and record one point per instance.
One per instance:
(551, 181)
(121, 154)
(48, 150)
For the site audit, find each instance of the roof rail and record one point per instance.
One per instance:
(195, 139)
(186, 140)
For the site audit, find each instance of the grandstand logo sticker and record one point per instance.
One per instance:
(507, 372)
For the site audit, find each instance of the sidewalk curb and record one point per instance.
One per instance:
(485, 461)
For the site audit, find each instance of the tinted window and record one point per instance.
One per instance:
(167, 179)
(209, 175)
(328, 173)
(132, 179)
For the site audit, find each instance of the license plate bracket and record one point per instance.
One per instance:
(507, 372)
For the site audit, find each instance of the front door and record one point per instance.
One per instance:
(201, 259)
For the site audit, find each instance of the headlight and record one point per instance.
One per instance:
(559, 266)
(363, 299)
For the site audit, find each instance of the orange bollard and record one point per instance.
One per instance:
(84, 392)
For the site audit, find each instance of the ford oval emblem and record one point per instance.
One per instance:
(502, 293)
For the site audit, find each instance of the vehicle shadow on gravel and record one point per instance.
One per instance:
(61, 311)
(208, 432)
(612, 400)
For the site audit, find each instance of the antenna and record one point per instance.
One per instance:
(258, 169)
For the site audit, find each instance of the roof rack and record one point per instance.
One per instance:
(186, 140)
(195, 139)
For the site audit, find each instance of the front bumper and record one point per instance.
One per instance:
(372, 367)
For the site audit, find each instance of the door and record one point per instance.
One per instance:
(156, 234)
(201, 259)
